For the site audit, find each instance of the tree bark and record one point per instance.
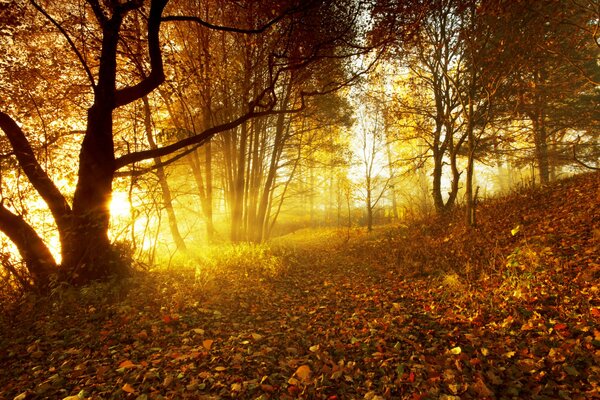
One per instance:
(37, 257)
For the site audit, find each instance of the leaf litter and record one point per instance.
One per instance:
(429, 310)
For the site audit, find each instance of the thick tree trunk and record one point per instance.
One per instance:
(88, 252)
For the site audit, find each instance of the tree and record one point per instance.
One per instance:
(435, 64)
(82, 220)
(553, 75)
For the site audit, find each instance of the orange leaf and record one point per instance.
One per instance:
(207, 343)
(595, 312)
(128, 388)
(303, 373)
(126, 364)
(560, 327)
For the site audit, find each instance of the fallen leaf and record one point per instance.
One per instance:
(515, 230)
(128, 388)
(481, 388)
(127, 364)
(560, 327)
(303, 373)
(236, 387)
(207, 343)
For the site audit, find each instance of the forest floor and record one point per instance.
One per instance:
(429, 310)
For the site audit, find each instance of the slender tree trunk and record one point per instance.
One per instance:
(162, 181)
(454, 185)
(369, 207)
(470, 208)
(438, 200)
(541, 147)
(237, 207)
(278, 144)
(392, 179)
(208, 205)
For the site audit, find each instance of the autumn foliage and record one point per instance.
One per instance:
(427, 310)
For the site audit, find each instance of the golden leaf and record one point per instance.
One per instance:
(303, 373)
(128, 388)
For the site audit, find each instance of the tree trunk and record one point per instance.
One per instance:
(237, 208)
(438, 200)
(541, 148)
(369, 212)
(278, 144)
(392, 172)
(470, 207)
(162, 181)
(88, 252)
(208, 199)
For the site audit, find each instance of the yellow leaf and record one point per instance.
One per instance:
(515, 230)
(303, 373)
(256, 336)
(198, 331)
(128, 388)
(456, 350)
(293, 381)
(314, 348)
(207, 343)
(220, 369)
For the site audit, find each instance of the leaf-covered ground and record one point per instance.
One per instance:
(432, 310)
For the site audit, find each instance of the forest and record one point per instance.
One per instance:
(318, 199)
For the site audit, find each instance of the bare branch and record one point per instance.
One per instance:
(62, 30)
(157, 76)
(196, 139)
(580, 162)
(206, 24)
(35, 173)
